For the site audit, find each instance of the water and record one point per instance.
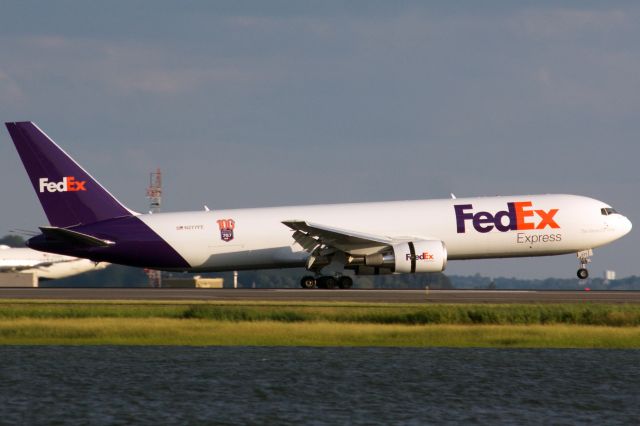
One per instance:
(183, 385)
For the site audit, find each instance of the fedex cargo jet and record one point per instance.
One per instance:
(85, 220)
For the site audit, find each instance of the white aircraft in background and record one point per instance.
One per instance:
(369, 238)
(44, 265)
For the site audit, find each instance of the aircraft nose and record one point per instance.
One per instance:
(626, 225)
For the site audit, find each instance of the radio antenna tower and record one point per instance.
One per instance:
(154, 191)
(154, 194)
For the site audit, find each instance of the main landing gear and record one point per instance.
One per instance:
(584, 257)
(326, 281)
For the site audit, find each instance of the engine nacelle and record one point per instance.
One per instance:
(420, 256)
(404, 258)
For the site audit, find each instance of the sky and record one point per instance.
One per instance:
(253, 103)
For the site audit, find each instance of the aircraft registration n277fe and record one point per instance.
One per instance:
(369, 238)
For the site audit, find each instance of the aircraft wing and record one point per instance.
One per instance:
(36, 265)
(367, 253)
(311, 235)
(24, 267)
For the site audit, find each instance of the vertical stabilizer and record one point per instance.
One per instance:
(68, 194)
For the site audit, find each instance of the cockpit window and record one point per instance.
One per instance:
(607, 211)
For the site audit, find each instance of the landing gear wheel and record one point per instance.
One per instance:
(584, 256)
(308, 282)
(583, 274)
(345, 282)
(327, 282)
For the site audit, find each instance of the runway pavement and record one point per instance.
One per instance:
(317, 295)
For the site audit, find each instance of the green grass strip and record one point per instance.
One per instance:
(610, 315)
(319, 324)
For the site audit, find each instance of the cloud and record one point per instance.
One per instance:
(119, 66)
(49, 42)
(589, 80)
(159, 81)
(10, 91)
(568, 23)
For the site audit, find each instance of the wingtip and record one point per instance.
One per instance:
(294, 224)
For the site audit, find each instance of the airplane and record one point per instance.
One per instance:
(85, 220)
(44, 265)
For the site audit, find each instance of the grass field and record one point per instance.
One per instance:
(319, 324)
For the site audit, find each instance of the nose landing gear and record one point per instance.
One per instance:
(584, 257)
(583, 273)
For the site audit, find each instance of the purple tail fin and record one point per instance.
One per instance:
(68, 194)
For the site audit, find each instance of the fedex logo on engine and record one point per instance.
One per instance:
(519, 216)
(424, 256)
(67, 184)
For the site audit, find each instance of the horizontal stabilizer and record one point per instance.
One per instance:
(73, 237)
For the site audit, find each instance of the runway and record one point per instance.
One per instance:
(317, 295)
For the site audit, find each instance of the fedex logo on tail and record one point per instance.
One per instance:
(519, 216)
(67, 184)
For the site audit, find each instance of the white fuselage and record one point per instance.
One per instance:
(44, 265)
(561, 224)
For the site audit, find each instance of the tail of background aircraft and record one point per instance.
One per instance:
(68, 194)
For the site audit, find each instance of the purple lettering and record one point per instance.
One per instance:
(461, 216)
(482, 218)
(511, 225)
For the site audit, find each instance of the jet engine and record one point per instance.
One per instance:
(405, 258)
